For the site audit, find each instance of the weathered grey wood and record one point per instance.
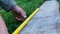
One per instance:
(46, 20)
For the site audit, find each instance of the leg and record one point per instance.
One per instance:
(3, 29)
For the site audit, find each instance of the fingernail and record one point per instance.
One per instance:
(24, 16)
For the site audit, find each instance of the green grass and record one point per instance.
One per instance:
(59, 1)
(28, 5)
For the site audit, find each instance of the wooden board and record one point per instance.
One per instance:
(45, 21)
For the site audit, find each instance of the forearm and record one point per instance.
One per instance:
(7, 4)
(3, 29)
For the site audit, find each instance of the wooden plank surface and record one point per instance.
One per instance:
(46, 20)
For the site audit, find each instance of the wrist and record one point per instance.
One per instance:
(14, 7)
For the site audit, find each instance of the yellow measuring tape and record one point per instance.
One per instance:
(25, 22)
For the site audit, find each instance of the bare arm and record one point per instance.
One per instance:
(3, 29)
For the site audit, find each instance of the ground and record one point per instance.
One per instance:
(28, 5)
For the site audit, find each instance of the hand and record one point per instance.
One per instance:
(19, 13)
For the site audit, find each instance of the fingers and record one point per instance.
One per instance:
(23, 14)
(20, 18)
(23, 18)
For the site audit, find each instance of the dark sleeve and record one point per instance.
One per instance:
(7, 4)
